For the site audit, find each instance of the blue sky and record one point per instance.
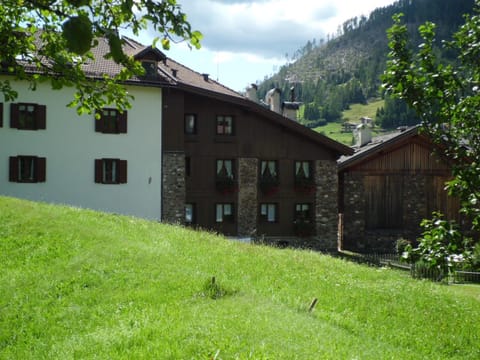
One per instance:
(246, 40)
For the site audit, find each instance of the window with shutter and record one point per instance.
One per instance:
(27, 169)
(111, 121)
(26, 116)
(110, 171)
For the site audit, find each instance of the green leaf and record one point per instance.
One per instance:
(77, 32)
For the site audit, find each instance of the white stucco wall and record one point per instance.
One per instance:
(71, 145)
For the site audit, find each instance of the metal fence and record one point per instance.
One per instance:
(418, 270)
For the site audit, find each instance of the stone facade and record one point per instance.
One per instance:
(326, 205)
(247, 196)
(357, 237)
(173, 187)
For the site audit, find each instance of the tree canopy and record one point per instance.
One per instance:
(51, 40)
(446, 97)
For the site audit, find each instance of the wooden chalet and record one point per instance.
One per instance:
(234, 165)
(388, 186)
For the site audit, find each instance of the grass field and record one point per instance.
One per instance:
(87, 285)
(356, 111)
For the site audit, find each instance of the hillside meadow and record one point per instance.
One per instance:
(82, 284)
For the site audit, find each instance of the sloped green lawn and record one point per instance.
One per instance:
(78, 284)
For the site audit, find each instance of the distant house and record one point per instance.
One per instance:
(189, 151)
(388, 186)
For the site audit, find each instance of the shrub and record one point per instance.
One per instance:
(442, 246)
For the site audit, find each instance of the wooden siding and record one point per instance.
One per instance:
(254, 137)
(413, 157)
(383, 202)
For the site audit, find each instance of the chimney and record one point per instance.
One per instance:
(273, 100)
(205, 77)
(363, 135)
(252, 93)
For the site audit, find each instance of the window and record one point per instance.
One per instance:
(223, 213)
(190, 124)
(190, 217)
(225, 177)
(269, 168)
(303, 170)
(110, 171)
(225, 169)
(224, 125)
(27, 169)
(28, 116)
(304, 177)
(111, 121)
(150, 68)
(269, 213)
(268, 180)
(302, 212)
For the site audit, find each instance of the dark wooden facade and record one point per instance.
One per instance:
(258, 135)
(388, 187)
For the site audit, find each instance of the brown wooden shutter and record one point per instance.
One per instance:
(98, 122)
(98, 171)
(40, 117)
(14, 116)
(122, 122)
(40, 169)
(13, 169)
(1, 114)
(122, 171)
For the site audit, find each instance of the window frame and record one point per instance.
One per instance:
(104, 125)
(221, 126)
(151, 72)
(301, 167)
(120, 176)
(38, 116)
(218, 171)
(37, 166)
(225, 216)
(264, 213)
(263, 171)
(298, 213)
(190, 130)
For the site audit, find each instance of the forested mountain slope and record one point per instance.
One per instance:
(328, 75)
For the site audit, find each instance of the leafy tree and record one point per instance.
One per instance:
(445, 97)
(56, 37)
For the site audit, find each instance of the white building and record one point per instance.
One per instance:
(49, 153)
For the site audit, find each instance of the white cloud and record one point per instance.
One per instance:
(245, 40)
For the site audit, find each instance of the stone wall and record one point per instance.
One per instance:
(173, 187)
(357, 238)
(326, 206)
(247, 196)
(354, 210)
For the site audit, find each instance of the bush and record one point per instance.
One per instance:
(442, 246)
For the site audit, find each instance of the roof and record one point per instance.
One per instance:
(173, 74)
(377, 145)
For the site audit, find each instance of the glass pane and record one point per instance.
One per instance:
(219, 166)
(227, 209)
(272, 167)
(188, 213)
(228, 167)
(264, 166)
(271, 212)
(219, 213)
(263, 210)
(298, 164)
(306, 169)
